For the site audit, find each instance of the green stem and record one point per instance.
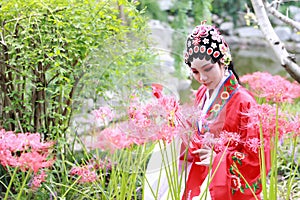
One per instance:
(273, 178)
(175, 169)
(291, 178)
(74, 189)
(23, 184)
(263, 163)
(70, 187)
(10, 183)
(168, 170)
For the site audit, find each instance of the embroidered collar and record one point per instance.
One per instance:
(224, 93)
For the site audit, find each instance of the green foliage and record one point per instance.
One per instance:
(202, 11)
(48, 47)
(283, 6)
(153, 10)
(179, 25)
(229, 8)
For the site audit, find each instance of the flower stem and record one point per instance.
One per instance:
(291, 177)
(263, 163)
(23, 184)
(10, 183)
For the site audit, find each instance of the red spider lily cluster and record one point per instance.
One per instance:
(162, 118)
(266, 116)
(271, 120)
(103, 113)
(273, 88)
(226, 140)
(146, 122)
(88, 172)
(24, 150)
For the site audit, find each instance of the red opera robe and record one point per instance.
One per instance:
(226, 114)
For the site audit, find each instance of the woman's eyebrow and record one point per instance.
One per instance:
(205, 65)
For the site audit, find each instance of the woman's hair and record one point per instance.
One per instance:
(231, 68)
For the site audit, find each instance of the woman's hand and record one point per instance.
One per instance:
(206, 155)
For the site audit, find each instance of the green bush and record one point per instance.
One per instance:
(49, 47)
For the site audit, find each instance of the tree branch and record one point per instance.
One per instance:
(282, 17)
(277, 46)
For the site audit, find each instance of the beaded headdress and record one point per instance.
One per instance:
(206, 42)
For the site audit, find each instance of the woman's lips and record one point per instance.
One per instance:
(207, 84)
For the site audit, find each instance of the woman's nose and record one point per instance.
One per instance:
(203, 77)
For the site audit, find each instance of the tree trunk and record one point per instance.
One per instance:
(286, 60)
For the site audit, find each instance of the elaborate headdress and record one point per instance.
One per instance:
(206, 42)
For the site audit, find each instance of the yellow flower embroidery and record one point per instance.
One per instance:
(216, 107)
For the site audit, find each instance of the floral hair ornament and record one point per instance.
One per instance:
(206, 42)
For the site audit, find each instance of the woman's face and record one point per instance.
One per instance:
(207, 73)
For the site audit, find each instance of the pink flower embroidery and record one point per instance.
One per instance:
(206, 41)
(201, 31)
(196, 41)
(215, 35)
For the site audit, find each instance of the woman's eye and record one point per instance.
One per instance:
(208, 69)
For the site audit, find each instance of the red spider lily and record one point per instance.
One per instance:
(103, 113)
(150, 121)
(227, 139)
(253, 144)
(34, 161)
(273, 88)
(264, 117)
(293, 126)
(112, 139)
(23, 141)
(38, 180)
(25, 151)
(87, 173)
(157, 90)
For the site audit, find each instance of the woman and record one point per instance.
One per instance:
(232, 169)
(224, 102)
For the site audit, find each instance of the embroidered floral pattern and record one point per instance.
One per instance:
(196, 41)
(216, 107)
(224, 95)
(201, 31)
(237, 182)
(228, 88)
(238, 157)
